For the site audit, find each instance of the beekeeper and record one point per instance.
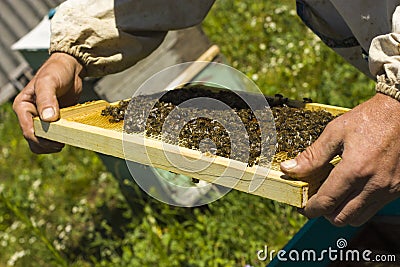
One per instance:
(99, 37)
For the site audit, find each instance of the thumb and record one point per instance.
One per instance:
(46, 99)
(314, 161)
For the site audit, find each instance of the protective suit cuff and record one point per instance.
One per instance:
(387, 87)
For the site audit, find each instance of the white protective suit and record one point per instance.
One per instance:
(108, 36)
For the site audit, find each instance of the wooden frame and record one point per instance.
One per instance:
(83, 126)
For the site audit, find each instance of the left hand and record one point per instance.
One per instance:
(368, 176)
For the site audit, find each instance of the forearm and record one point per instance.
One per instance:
(108, 36)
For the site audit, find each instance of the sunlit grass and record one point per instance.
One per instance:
(268, 42)
(66, 209)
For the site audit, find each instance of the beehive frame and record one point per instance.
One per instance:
(83, 126)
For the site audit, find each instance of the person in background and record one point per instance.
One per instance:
(98, 37)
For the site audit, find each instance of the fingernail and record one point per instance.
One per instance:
(289, 164)
(48, 113)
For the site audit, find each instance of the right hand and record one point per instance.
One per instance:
(58, 83)
(368, 176)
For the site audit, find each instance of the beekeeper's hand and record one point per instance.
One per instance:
(58, 83)
(368, 177)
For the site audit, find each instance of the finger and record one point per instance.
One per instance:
(25, 110)
(315, 158)
(44, 146)
(353, 214)
(318, 176)
(358, 210)
(365, 215)
(46, 98)
(38, 145)
(339, 210)
(338, 187)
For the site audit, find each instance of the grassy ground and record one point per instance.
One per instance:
(67, 210)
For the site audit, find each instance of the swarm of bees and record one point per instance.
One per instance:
(116, 112)
(298, 128)
(248, 137)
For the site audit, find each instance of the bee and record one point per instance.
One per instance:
(296, 128)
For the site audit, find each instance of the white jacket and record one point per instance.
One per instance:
(109, 36)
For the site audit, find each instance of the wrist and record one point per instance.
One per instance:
(70, 61)
(388, 104)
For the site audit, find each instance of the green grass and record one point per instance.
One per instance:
(67, 210)
(268, 42)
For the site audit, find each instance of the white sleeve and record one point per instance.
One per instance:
(108, 36)
(384, 55)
